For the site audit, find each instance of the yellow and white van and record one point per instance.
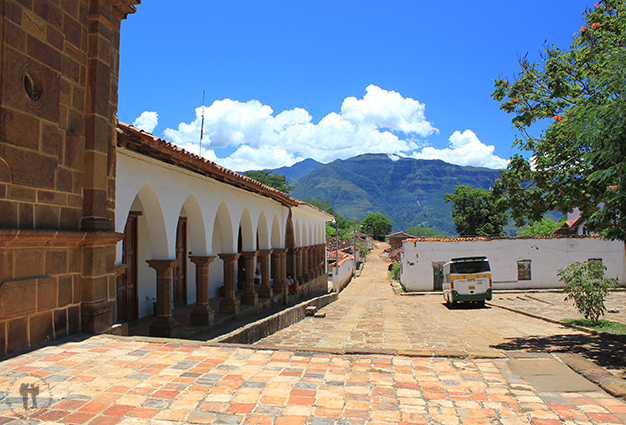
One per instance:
(467, 279)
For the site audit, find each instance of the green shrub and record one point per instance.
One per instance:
(394, 273)
(586, 285)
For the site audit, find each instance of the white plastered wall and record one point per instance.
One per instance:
(547, 256)
(164, 192)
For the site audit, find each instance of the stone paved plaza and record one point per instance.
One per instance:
(459, 366)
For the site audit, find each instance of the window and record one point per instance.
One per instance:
(523, 270)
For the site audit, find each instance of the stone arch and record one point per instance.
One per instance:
(159, 246)
(306, 234)
(248, 235)
(276, 238)
(297, 233)
(290, 241)
(223, 229)
(263, 235)
(196, 228)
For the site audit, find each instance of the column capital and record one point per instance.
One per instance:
(163, 265)
(280, 251)
(229, 257)
(263, 252)
(200, 261)
(298, 249)
(248, 255)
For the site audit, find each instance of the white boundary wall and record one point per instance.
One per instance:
(547, 256)
(342, 277)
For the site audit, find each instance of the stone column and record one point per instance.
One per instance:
(306, 272)
(279, 271)
(265, 291)
(322, 259)
(249, 297)
(229, 304)
(164, 324)
(202, 314)
(97, 279)
(297, 257)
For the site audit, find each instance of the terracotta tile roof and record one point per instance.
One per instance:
(331, 248)
(401, 234)
(493, 238)
(394, 256)
(569, 225)
(129, 137)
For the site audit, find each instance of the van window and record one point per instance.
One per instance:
(467, 267)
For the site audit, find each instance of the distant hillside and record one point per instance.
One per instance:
(298, 169)
(408, 191)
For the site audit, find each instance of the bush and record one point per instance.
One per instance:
(394, 272)
(586, 285)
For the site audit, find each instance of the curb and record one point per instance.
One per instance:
(611, 337)
(610, 383)
(349, 351)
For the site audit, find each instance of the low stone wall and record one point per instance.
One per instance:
(256, 331)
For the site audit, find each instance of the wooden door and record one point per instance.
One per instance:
(180, 271)
(127, 303)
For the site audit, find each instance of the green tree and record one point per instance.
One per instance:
(423, 232)
(345, 227)
(544, 227)
(377, 226)
(579, 160)
(474, 213)
(586, 285)
(268, 178)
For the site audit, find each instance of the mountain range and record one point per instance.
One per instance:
(408, 191)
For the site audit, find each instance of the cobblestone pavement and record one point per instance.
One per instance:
(135, 381)
(553, 305)
(368, 314)
(106, 380)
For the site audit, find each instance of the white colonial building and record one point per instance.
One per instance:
(192, 226)
(516, 263)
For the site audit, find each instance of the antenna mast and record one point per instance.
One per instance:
(202, 125)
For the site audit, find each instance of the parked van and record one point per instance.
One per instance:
(466, 279)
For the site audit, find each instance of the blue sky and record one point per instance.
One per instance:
(287, 80)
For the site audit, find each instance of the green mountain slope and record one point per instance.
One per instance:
(408, 191)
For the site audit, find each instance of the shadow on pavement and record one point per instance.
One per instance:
(608, 354)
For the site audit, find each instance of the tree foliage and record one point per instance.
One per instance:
(544, 227)
(586, 285)
(377, 226)
(344, 229)
(579, 160)
(474, 213)
(266, 177)
(423, 232)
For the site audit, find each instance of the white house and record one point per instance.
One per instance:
(516, 263)
(192, 226)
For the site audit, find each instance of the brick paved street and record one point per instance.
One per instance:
(302, 380)
(104, 380)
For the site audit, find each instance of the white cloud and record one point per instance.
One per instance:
(147, 121)
(382, 122)
(465, 149)
(264, 140)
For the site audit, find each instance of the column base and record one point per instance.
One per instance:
(266, 292)
(229, 306)
(96, 317)
(202, 315)
(249, 299)
(165, 326)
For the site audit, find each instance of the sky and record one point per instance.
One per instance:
(288, 80)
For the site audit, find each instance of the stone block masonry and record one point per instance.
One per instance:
(58, 104)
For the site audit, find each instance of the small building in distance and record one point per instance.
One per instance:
(516, 263)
